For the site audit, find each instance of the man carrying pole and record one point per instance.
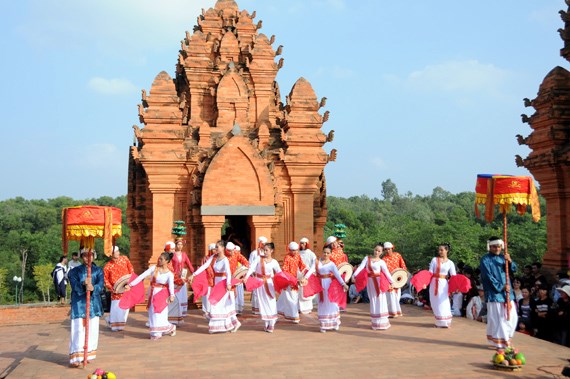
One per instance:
(86, 308)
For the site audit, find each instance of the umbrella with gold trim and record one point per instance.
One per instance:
(506, 191)
(84, 224)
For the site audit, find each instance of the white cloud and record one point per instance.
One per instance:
(111, 86)
(378, 162)
(454, 76)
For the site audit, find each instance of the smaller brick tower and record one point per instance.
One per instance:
(549, 160)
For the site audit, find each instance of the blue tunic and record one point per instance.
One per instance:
(77, 278)
(493, 277)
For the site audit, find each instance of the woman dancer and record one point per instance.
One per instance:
(378, 306)
(440, 267)
(180, 262)
(162, 279)
(265, 268)
(222, 316)
(328, 311)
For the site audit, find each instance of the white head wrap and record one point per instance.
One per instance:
(304, 240)
(169, 246)
(230, 246)
(238, 248)
(495, 242)
(115, 249)
(212, 246)
(330, 240)
(388, 245)
(293, 246)
(262, 239)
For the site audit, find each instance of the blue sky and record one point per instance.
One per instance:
(423, 93)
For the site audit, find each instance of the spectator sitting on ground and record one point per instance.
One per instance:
(475, 304)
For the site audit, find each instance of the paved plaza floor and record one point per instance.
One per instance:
(411, 348)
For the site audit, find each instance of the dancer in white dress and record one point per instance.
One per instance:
(265, 268)
(441, 267)
(253, 256)
(222, 316)
(328, 311)
(309, 258)
(162, 279)
(378, 306)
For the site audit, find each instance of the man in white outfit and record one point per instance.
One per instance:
(253, 257)
(309, 258)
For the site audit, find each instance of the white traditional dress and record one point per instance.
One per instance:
(253, 257)
(222, 316)
(438, 291)
(328, 312)
(266, 293)
(306, 303)
(378, 305)
(158, 322)
(178, 310)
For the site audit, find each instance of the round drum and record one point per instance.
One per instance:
(400, 277)
(240, 272)
(120, 284)
(345, 270)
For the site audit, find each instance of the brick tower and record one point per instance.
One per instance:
(219, 148)
(549, 160)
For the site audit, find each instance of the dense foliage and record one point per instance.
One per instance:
(31, 229)
(417, 224)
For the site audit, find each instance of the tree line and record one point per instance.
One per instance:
(30, 233)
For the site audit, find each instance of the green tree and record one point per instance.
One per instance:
(43, 279)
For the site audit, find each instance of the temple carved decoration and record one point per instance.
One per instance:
(219, 147)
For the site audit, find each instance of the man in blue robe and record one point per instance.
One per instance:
(501, 321)
(80, 285)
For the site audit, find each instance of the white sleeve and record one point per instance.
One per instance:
(149, 271)
(276, 267)
(361, 267)
(204, 266)
(452, 269)
(337, 275)
(251, 270)
(384, 269)
(171, 283)
(228, 272)
(433, 265)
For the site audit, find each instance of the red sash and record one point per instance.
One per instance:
(372, 275)
(436, 276)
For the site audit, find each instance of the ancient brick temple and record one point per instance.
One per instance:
(549, 160)
(219, 148)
